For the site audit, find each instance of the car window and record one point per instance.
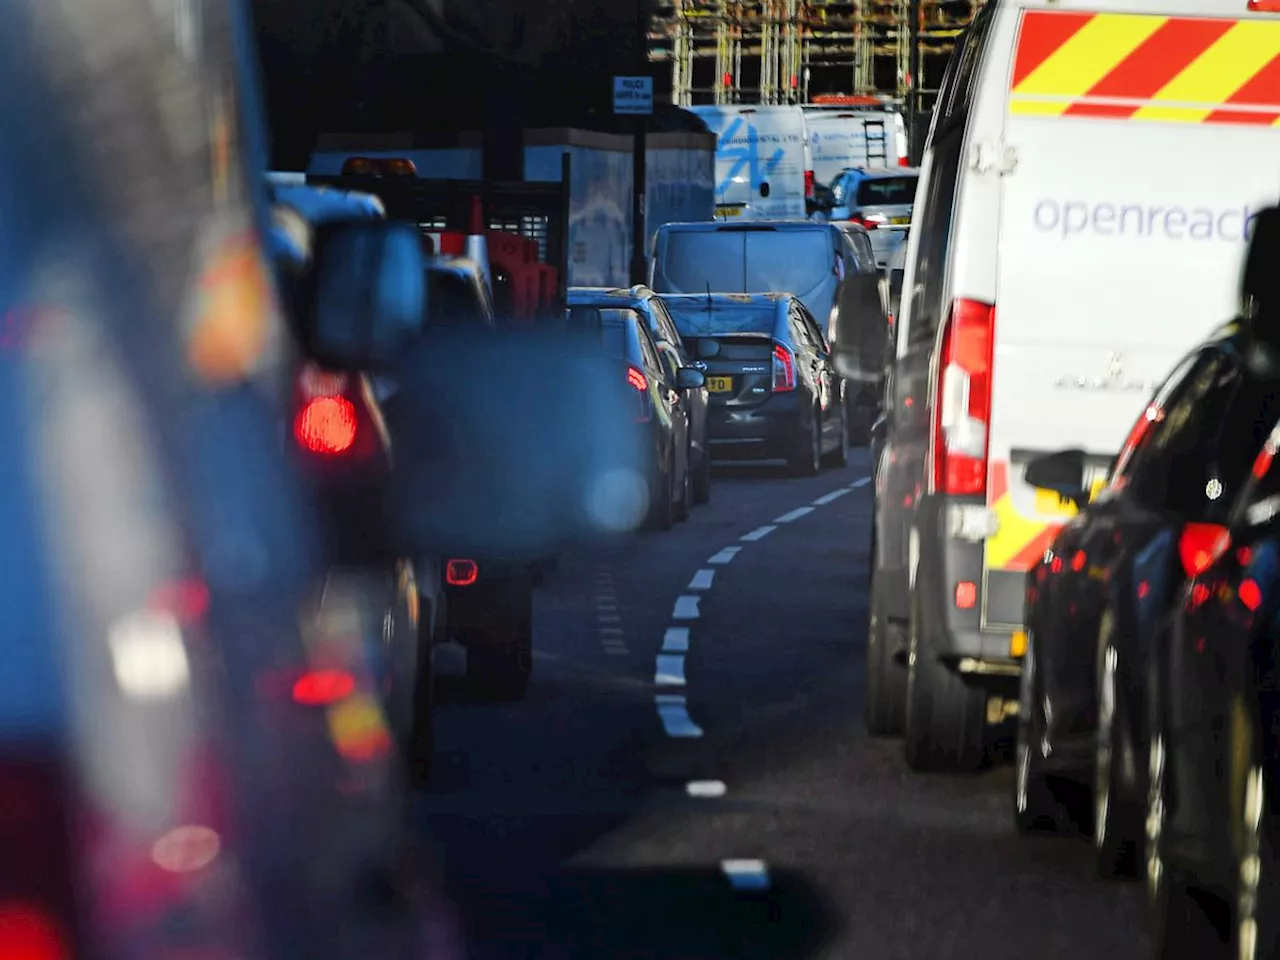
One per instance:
(1183, 466)
(1133, 451)
(670, 359)
(812, 329)
(653, 365)
(452, 300)
(797, 331)
(866, 256)
(887, 190)
(696, 261)
(935, 241)
(694, 319)
(615, 339)
(667, 329)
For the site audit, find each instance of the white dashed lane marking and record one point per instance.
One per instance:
(705, 788)
(795, 514)
(675, 640)
(759, 533)
(831, 497)
(669, 671)
(686, 608)
(702, 580)
(725, 555)
(859, 483)
(675, 717)
(746, 874)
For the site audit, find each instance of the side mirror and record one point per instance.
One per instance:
(860, 344)
(1062, 473)
(369, 293)
(706, 348)
(687, 378)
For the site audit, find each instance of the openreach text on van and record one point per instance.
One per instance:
(1072, 217)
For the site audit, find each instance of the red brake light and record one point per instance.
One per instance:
(1250, 595)
(784, 369)
(28, 933)
(327, 425)
(461, 573)
(904, 161)
(808, 184)
(640, 382)
(1201, 545)
(319, 688)
(866, 224)
(962, 407)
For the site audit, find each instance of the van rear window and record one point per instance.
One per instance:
(747, 261)
(695, 320)
(887, 190)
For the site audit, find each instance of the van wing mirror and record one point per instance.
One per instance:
(860, 344)
(1061, 472)
(368, 293)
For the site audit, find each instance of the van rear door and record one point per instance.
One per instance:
(760, 161)
(1137, 147)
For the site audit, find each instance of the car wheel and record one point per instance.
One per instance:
(839, 457)
(1036, 810)
(702, 480)
(685, 503)
(886, 678)
(1116, 824)
(500, 654)
(807, 461)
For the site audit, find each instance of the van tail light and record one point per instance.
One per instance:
(784, 369)
(640, 383)
(37, 905)
(461, 573)
(866, 222)
(904, 161)
(808, 184)
(1201, 545)
(962, 408)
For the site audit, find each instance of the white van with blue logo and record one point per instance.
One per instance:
(760, 160)
(839, 139)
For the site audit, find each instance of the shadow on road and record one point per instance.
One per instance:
(660, 914)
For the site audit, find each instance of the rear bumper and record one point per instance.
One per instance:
(771, 429)
(945, 561)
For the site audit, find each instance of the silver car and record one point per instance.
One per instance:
(880, 201)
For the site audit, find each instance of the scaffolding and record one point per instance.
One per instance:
(790, 51)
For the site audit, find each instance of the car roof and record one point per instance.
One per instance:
(730, 299)
(883, 173)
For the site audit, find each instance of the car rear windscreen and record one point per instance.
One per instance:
(695, 320)
(747, 261)
(616, 339)
(884, 191)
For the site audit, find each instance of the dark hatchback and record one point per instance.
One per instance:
(774, 393)
(660, 397)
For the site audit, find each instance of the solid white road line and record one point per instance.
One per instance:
(725, 555)
(675, 717)
(759, 533)
(831, 497)
(795, 514)
(859, 483)
(686, 608)
(705, 788)
(669, 670)
(746, 874)
(702, 580)
(676, 640)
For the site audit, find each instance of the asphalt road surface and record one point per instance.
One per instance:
(689, 776)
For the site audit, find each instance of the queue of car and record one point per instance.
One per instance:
(1074, 495)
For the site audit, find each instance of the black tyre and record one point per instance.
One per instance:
(1117, 821)
(839, 457)
(500, 651)
(662, 511)
(806, 461)
(885, 707)
(1036, 808)
(945, 729)
(858, 420)
(702, 480)
(685, 504)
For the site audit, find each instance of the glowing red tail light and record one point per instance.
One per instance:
(1250, 595)
(640, 383)
(1201, 545)
(461, 573)
(904, 161)
(866, 223)
(320, 688)
(784, 369)
(327, 425)
(962, 407)
(808, 184)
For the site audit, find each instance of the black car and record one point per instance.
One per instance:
(675, 354)
(660, 402)
(1095, 600)
(774, 391)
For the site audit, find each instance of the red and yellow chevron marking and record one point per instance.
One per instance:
(1020, 541)
(1123, 66)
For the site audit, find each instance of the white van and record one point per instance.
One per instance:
(760, 161)
(1087, 190)
(837, 139)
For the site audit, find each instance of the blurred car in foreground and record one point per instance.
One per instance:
(774, 392)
